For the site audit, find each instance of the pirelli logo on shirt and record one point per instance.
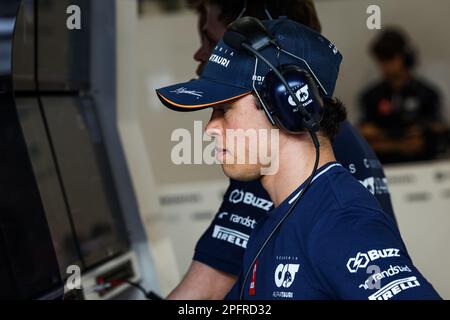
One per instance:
(230, 235)
(394, 288)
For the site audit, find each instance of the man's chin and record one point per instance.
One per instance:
(241, 172)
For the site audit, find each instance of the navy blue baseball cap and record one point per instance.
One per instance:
(231, 74)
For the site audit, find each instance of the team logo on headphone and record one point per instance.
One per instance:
(302, 95)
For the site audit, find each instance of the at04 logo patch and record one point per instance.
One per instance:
(362, 259)
(285, 274)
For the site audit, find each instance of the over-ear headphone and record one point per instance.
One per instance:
(289, 94)
(281, 105)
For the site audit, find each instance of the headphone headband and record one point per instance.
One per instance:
(288, 110)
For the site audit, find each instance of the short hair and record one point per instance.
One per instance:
(334, 114)
(302, 11)
(393, 42)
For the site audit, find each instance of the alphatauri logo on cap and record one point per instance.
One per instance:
(221, 56)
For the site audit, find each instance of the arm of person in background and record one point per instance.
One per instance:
(411, 143)
(203, 282)
(367, 124)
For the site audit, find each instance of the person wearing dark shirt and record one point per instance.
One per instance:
(217, 259)
(325, 235)
(401, 113)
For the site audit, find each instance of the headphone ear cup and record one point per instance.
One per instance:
(283, 108)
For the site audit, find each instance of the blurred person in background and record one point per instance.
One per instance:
(401, 114)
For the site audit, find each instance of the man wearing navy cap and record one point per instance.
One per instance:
(216, 263)
(335, 241)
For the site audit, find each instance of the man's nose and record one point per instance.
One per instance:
(202, 54)
(214, 126)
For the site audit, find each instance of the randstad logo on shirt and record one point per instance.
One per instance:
(237, 196)
(374, 281)
(362, 259)
(238, 219)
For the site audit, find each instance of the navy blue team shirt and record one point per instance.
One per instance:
(336, 244)
(223, 244)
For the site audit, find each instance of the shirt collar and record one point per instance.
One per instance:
(294, 195)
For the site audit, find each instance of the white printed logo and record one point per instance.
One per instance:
(246, 222)
(375, 185)
(373, 282)
(219, 60)
(285, 274)
(183, 90)
(258, 78)
(302, 95)
(333, 47)
(362, 259)
(394, 288)
(237, 196)
(222, 214)
(235, 237)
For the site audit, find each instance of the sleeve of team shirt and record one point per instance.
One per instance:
(358, 254)
(223, 244)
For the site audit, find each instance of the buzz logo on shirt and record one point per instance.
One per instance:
(362, 259)
(238, 196)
